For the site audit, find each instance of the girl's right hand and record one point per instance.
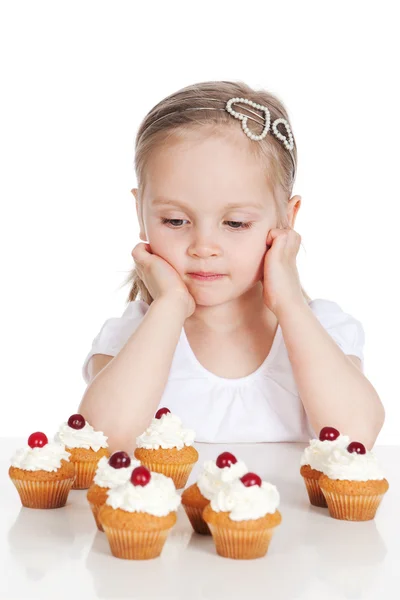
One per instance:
(160, 278)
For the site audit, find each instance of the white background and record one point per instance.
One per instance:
(77, 78)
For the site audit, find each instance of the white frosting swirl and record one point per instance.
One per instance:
(317, 452)
(166, 432)
(245, 503)
(86, 437)
(351, 466)
(212, 478)
(108, 477)
(159, 497)
(47, 458)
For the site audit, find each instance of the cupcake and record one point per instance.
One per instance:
(109, 474)
(214, 475)
(242, 517)
(42, 473)
(86, 447)
(167, 447)
(138, 515)
(313, 459)
(353, 483)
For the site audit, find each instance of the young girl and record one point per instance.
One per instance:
(245, 355)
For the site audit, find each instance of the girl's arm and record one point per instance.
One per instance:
(122, 399)
(333, 389)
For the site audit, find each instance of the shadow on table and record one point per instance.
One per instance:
(284, 572)
(82, 523)
(118, 578)
(349, 555)
(40, 540)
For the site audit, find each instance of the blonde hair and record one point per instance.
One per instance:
(169, 118)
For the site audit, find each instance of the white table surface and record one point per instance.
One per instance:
(60, 553)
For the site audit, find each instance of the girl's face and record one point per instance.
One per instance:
(188, 220)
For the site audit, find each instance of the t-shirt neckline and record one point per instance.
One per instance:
(229, 380)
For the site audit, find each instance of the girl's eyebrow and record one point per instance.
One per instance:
(160, 201)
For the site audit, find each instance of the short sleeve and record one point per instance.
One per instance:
(346, 330)
(115, 332)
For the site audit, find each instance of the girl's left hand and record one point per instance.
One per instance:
(281, 280)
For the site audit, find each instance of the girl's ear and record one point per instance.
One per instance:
(142, 233)
(293, 208)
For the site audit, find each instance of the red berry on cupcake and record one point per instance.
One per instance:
(251, 479)
(140, 476)
(37, 440)
(119, 460)
(77, 421)
(161, 412)
(226, 459)
(328, 433)
(356, 448)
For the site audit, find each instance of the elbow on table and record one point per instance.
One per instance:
(120, 442)
(365, 431)
(378, 424)
(368, 432)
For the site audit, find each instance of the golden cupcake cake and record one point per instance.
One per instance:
(139, 514)
(110, 473)
(214, 475)
(353, 483)
(86, 447)
(242, 517)
(167, 447)
(313, 459)
(42, 473)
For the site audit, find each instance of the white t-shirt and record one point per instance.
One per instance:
(261, 407)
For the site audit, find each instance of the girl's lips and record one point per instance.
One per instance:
(205, 277)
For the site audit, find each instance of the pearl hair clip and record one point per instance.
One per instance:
(287, 140)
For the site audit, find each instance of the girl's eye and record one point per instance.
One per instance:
(241, 224)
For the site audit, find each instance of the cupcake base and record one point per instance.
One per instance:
(241, 539)
(171, 462)
(96, 497)
(85, 462)
(353, 500)
(135, 545)
(135, 536)
(311, 479)
(194, 504)
(44, 489)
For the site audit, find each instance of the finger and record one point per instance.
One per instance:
(293, 242)
(275, 234)
(139, 252)
(135, 249)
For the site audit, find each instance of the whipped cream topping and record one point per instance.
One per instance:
(245, 503)
(47, 458)
(86, 437)
(159, 497)
(212, 478)
(108, 477)
(352, 466)
(317, 452)
(166, 432)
